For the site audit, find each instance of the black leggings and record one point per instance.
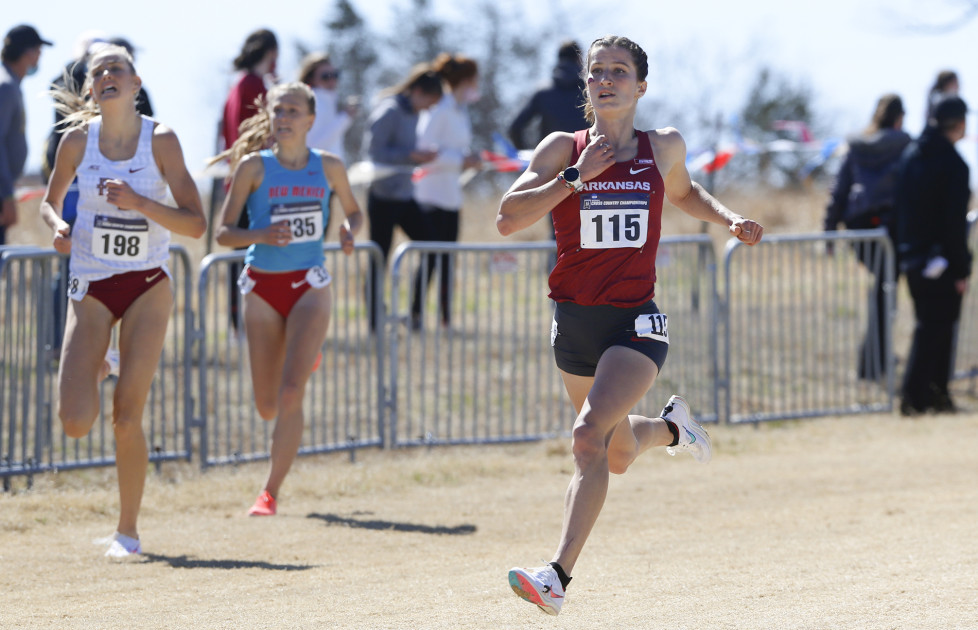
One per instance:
(384, 215)
(441, 225)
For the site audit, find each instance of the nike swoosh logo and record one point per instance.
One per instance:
(154, 276)
(296, 285)
(637, 171)
(136, 170)
(692, 438)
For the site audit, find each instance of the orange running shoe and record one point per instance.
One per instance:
(264, 505)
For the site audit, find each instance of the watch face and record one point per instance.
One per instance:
(571, 174)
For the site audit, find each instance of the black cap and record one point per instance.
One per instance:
(23, 37)
(949, 109)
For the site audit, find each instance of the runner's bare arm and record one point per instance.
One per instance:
(537, 191)
(670, 154)
(187, 217)
(338, 181)
(69, 156)
(246, 178)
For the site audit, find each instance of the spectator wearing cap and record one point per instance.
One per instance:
(932, 246)
(21, 54)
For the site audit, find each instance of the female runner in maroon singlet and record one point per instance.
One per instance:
(604, 188)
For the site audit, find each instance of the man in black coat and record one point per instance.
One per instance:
(932, 247)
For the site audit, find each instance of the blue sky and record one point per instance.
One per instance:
(851, 52)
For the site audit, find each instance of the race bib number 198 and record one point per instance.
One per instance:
(120, 239)
(612, 220)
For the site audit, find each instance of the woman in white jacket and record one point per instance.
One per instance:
(446, 130)
(332, 121)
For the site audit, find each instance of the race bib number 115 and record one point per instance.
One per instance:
(611, 220)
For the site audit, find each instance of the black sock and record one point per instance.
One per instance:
(564, 579)
(674, 430)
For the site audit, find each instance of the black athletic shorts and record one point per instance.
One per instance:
(580, 334)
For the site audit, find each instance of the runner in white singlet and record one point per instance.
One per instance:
(119, 251)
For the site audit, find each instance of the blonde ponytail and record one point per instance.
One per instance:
(254, 134)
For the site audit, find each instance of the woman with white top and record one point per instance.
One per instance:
(119, 246)
(332, 121)
(446, 130)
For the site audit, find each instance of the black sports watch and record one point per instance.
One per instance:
(571, 177)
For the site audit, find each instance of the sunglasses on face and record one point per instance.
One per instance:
(329, 76)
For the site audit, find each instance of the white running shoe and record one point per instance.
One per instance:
(111, 360)
(539, 586)
(693, 438)
(120, 546)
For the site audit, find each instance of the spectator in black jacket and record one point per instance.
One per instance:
(862, 199)
(932, 244)
(559, 106)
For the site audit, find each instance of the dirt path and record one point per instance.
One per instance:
(861, 522)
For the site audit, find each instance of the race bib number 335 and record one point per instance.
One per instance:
(611, 220)
(120, 239)
(305, 219)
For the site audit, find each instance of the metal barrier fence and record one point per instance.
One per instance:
(795, 320)
(33, 283)
(488, 375)
(788, 329)
(342, 400)
(966, 348)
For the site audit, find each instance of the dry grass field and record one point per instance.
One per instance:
(862, 523)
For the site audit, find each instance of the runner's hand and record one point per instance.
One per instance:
(121, 195)
(278, 234)
(62, 239)
(346, 240)
(596, 157)
(747, 231)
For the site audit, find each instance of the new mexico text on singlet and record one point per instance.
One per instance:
(608, 234)
(300, 198)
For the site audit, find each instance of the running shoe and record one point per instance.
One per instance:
(539, 586)
(120, 546)
(693, 438)
(264, 505)
(110, 366)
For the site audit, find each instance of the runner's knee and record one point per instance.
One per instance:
(588, 444)
(76, 425)
(290, 396)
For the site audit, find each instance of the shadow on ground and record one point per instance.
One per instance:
(186, 562)
(392, 526)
